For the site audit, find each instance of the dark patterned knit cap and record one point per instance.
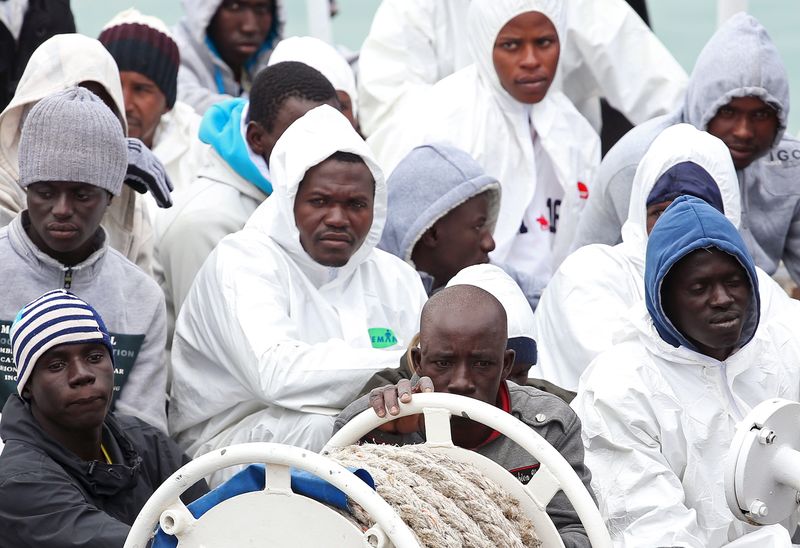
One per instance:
(143, 44)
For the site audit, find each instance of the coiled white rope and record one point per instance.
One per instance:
(448, 504)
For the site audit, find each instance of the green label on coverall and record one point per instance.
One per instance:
(382, 337)
(126, 349)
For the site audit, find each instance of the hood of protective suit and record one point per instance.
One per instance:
(222, 127)
(61, 62)
(311, 139)
(198, 15)
(322, 56)
(519, 315)
(689, 224)
(675, 145)
(426, 185)
(739, 60)
(484, 21)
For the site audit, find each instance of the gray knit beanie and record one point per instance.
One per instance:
(73, 136)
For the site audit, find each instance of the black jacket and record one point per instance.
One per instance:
(51, 498)
(43, 20)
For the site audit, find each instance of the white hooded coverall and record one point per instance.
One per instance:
(270, 344)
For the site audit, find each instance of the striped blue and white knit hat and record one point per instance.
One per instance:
(57, 317)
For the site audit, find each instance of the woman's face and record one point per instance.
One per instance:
(525, 56)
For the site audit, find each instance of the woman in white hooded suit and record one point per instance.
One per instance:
(527, 147)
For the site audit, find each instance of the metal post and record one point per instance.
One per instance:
(727, 8)
(319, 20)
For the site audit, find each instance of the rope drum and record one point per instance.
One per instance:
(448, 504)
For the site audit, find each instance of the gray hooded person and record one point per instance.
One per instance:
(223, 45)
(738, 92)
(442, 211)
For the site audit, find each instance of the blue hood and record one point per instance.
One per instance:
(221, 128)
(689, 224)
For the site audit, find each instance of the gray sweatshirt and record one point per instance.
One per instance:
(203, 77)
(130, 303)
(551, 418)
(739, 60)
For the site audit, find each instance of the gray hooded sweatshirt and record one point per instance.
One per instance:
(739, 60)
(204, 78)
(430, 182)
(129, 301)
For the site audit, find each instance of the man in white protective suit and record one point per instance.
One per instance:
(588, 297)
(289, 318)
(607, 51)
(659, 409)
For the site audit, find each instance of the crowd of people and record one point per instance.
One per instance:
(215, 234)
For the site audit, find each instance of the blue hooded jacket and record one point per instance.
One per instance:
(686, 225)
(221, 128)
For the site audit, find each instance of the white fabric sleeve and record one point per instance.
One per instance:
(262, 347)
(397, 62)
(633, 70)
(577, 315)
(640, 496)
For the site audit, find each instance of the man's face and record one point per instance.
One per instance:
(144, 105)
(463, 238)
(262, 140)
(333, 210)
(239, 28)
(64, 217)
(467, 357)
(70, 387)
(525, 56)
(706, 295)
(747, 126)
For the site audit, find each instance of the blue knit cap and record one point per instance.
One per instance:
(57, 317)
(686, 179)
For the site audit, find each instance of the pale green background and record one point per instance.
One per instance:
(683, 25)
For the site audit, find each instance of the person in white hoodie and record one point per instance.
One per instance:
(587, 299)
(288, 318)
(235, 178)
(608, 52)
(659, 409)
(224, 44)
(148, 59)
(529, 137)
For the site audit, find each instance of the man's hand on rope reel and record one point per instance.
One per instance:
(385, 399)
